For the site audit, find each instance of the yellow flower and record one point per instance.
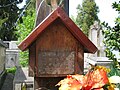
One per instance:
(103, 68)
(64, 87)
(111, 86)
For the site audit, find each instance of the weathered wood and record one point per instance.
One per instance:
(56, 64)
(43, 10)
(56, 58)
(57, 49)
(79, 61)
(37, 4)
(66, 6)
(54, 4)
(59, 14)
(47, 83)
(32, 60)
(56, 37)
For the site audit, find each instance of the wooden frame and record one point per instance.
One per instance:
(55, 33)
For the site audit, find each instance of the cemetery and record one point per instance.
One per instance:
(2, 61)
(60, 55)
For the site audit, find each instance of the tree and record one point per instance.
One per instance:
(9, 13)
(112, 41)
(86, 15)
(25, 28)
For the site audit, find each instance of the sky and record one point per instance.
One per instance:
(107, 13)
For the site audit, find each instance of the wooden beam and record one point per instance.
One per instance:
(42, 11)
(66, 6)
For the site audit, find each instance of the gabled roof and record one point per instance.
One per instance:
(59, 13)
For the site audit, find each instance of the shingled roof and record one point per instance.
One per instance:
(59, 13)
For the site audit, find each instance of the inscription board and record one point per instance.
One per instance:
(56, 62)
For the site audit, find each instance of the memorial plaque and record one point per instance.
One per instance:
(56, 62)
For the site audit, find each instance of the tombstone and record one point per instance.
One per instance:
(12, 54)
(56, 49)
(3, 47)
(2, 56)
(22, 80)
(96, 36)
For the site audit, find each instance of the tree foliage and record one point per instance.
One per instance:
(25, 28)
(112, 41)
(86, 15)
(9, 13)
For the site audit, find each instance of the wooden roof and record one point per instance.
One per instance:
(59, 13)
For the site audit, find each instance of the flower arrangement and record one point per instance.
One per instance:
(95, 79)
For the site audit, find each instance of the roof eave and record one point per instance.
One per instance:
(72, 27)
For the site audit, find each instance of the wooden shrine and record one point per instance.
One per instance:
(56, 47)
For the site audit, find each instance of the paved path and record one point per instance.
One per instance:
(8, 83)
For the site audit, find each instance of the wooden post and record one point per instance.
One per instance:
(66, 6)
(43, 10)
(37, 3)
(56, 49)
(54, 4)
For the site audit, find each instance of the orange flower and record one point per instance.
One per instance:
(94, 79)
(97, 78)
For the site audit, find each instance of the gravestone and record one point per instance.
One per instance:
(21, 80)
(3, 47)
(12, 54)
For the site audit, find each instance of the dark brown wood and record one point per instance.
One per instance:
(47, 83)
(59, 14)
(54, 4)
(32, 59)
(80, 60)
(56, 48)
(56, 58)
(66, 6)
(56, 36)
(43, 10)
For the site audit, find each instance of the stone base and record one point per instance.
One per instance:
(22, 80)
